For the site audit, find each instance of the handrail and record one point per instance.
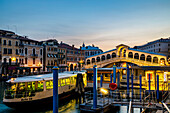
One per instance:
(166, 107)
(146, 97)
(145, 109)
(130, 106)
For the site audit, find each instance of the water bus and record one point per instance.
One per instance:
(37, 90)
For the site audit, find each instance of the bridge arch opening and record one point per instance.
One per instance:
(149, 58)
(98, 59)
(162, 61)
(130, 55)
(103, 57)
(142, 57)
(113, 55)
(136, 56)
(108, 56)
(155, 59)
(93, 60)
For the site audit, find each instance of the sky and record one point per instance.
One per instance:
(104, 23)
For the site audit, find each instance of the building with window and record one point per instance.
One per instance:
(158, 46)
(30, 55)
(50, 50)
(20, 55)
(90, 50)
(62, 58)
(9, 52)
(74, 56)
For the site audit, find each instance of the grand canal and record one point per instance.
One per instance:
(68, 106)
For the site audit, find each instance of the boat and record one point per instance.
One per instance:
(37, 90)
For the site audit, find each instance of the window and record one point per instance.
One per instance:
(33, 52)
(9, 42)
(22, 61)
(40, 51)
(33, 60)
(5, 50)
(25, 60)
(9, 51)
(41, 60)
(10, 61)
(4, 42)
(16, 52)
(26, 51)
(16, 43)
(159, 49)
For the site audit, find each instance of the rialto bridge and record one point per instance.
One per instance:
(124, 53)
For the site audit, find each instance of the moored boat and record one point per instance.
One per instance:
(30, 91)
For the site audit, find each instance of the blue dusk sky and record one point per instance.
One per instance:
(104, 23)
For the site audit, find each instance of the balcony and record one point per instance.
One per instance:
(34, 55)
(61, 58)
(60, 52)
(21, 54)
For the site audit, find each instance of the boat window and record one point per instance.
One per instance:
(67, 81)
(59, 82)
(49, 84)
(62, 82)
(31, 86)
(40, 86)
(21, 86)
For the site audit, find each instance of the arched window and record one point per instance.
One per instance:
(130, 55)
(98, 59)
(113, 55)
(142, 57)
(88, 61)
(93, 60)
(162, 61)
(155, 59)
(10, 61)
(26, 51)
(108, 56)
(33, 51)
(103, 57)
(136, 56)
(4, 60)
(148, 58)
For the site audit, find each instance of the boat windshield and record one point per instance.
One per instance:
(23, 89)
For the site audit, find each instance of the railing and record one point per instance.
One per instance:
(166, 107)
(140, 62)
(34, 55)
(130, 107)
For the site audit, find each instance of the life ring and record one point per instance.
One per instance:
(113, 86)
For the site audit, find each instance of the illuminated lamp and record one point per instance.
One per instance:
(104, 91)
(13, 59)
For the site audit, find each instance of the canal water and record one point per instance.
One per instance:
(67, 106)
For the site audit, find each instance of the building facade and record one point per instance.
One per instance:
(31, 55)
(74, 57)
(90, 50)
(158, 46)
(19, 55)
(62, 58)
(50, 54)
